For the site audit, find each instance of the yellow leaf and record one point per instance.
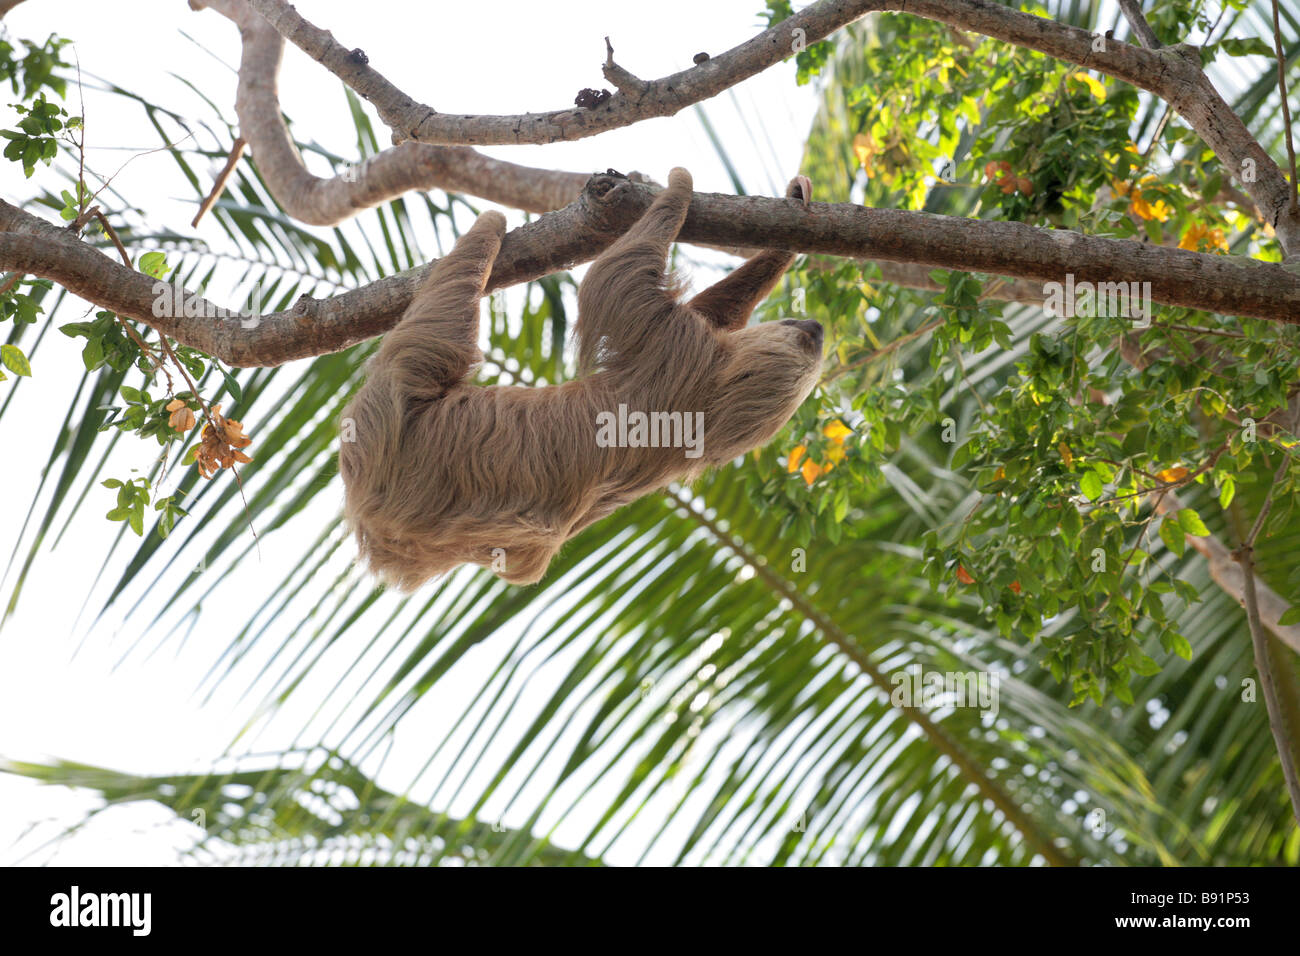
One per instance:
(795, 454)
(1067, 456)
(837, 431)
(1095, 85)
(811, 470)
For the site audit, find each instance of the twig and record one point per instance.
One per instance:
(1198, 330)
(626, 83)
(883, 350)
(94, 212)
(218, 187)
(112, 234)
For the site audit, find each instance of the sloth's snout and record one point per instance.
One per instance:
(811, 329)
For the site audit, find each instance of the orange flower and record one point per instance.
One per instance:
(837, 432)
(1199, 236)
(1145, 210)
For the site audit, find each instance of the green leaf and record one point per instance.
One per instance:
(1091, 485)
(1173, 535)
(1227, 491)
(154, 264)
(14, 360)
(1290, 616)
(1191, 522)
(232, 385)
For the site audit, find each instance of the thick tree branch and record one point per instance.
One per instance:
(1172, 73)
(609, 205)
(392, 173)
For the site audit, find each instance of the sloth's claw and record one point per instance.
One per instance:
(800, 188)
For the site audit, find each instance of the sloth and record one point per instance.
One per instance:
(441, 472)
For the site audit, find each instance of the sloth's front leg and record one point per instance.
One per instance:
(730, 302)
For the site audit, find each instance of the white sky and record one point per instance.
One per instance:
(500, 56)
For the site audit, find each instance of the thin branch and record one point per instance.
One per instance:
(1231, 578)
(1286, 106)
(1141, 29)
(112, 235)
(883, 350)
(219, 185)
(1245, 556)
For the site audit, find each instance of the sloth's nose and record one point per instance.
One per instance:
(810, 327)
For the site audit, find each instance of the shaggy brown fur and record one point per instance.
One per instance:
(444, 472)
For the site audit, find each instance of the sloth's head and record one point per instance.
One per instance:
(765, 372)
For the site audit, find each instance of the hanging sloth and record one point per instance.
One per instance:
(443, 472)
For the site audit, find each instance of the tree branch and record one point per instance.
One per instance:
(385, 176)
(1172, 73)
(609, 205)
(1141, 29)
(1277, 724)
(1231, 577)
(1286, 106)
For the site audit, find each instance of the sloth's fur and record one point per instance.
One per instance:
(443, 472)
